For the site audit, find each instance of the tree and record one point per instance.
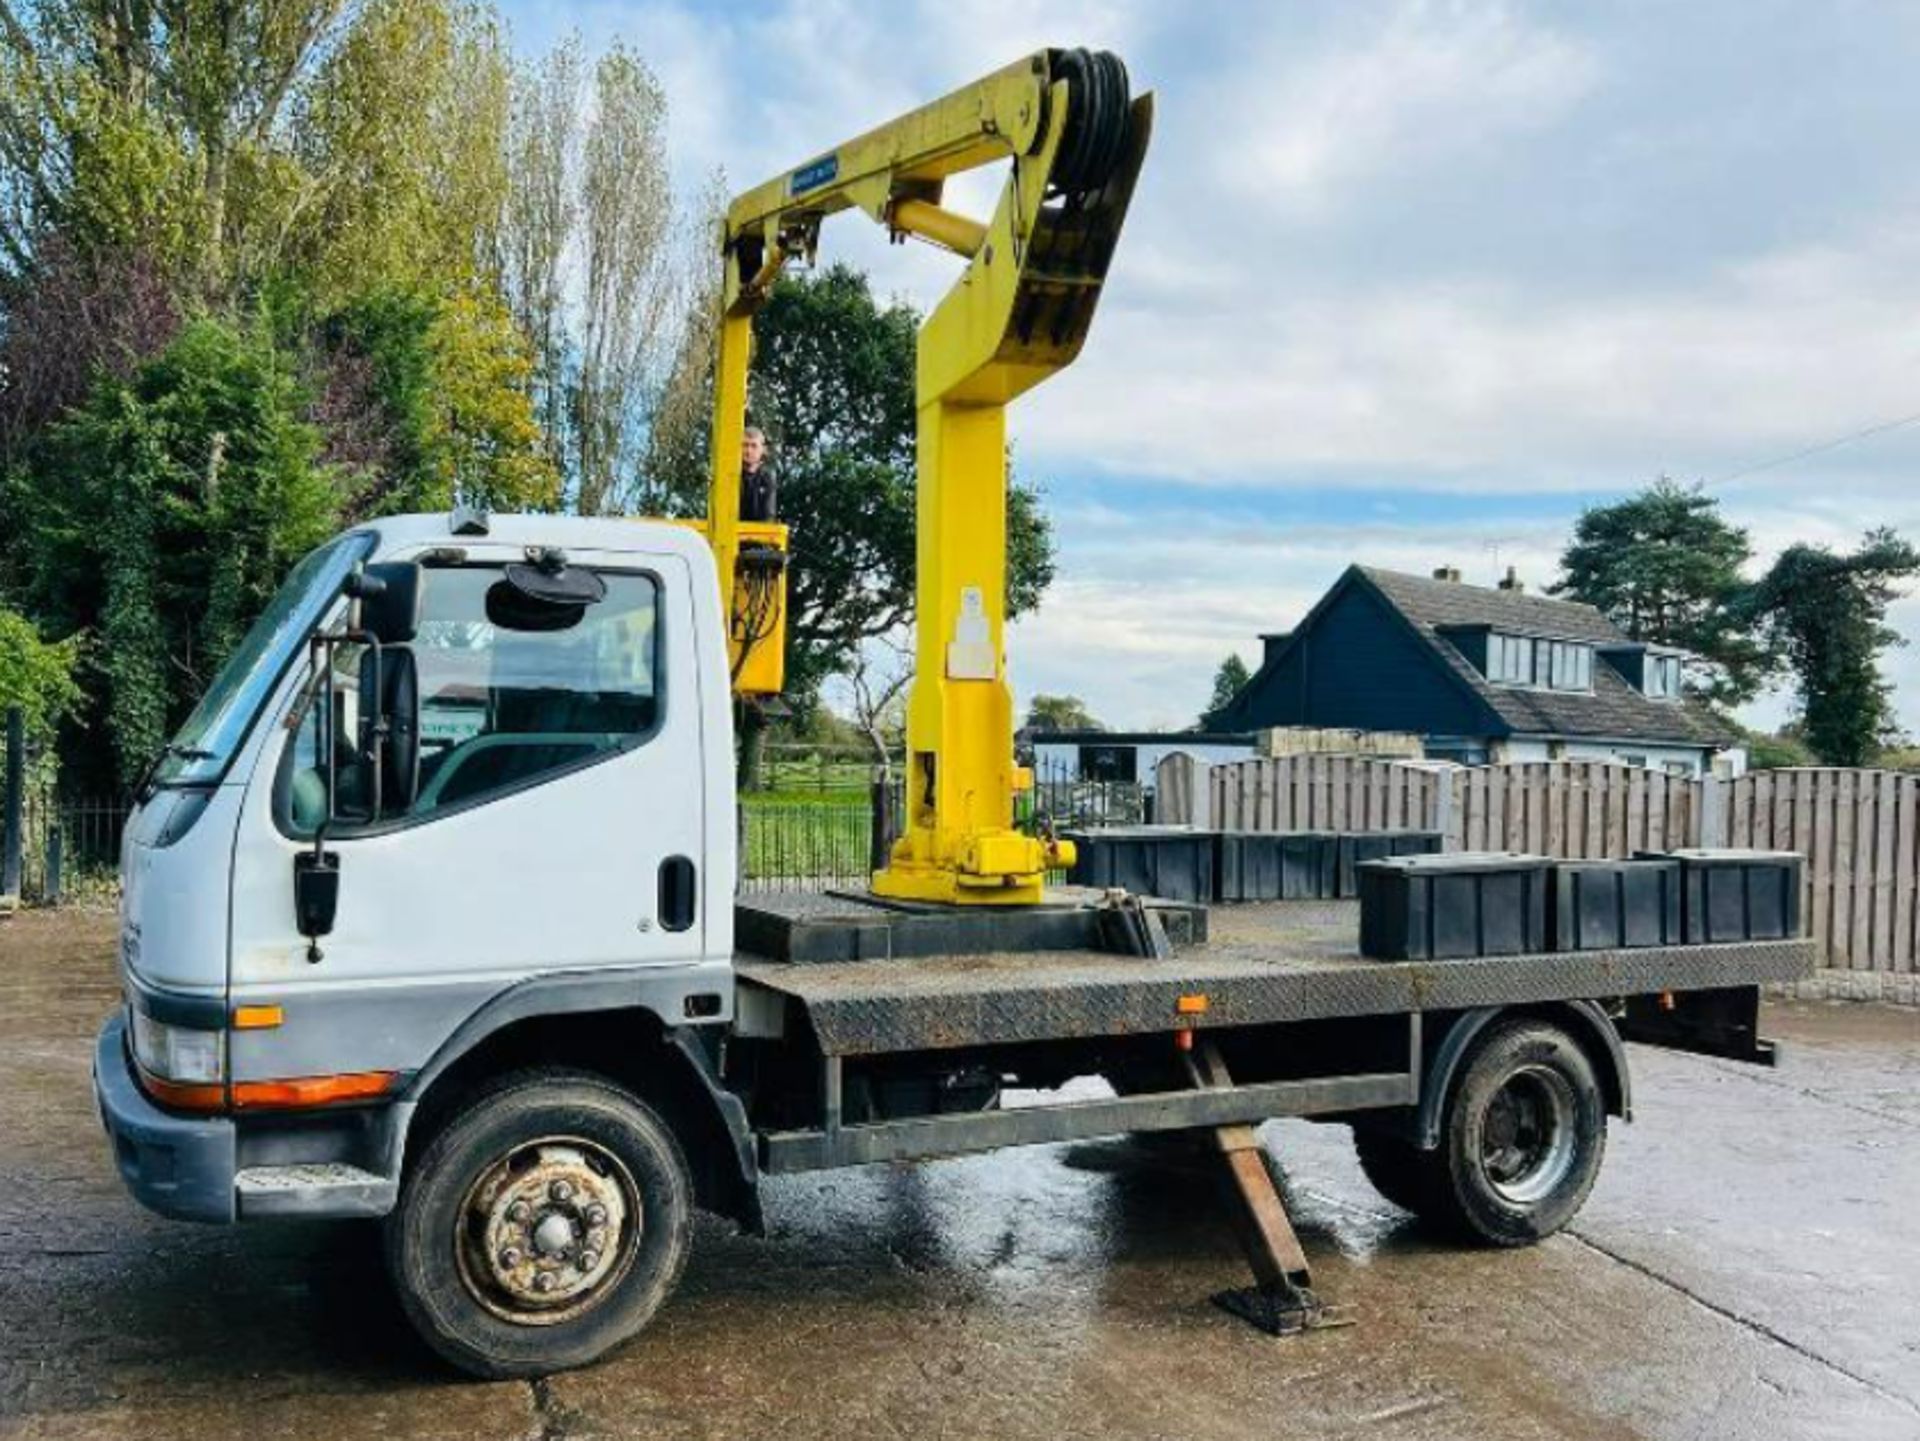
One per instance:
(878, 677)
(426, 405)
(250, 259)
(1060, 713)
(1228, 682)
(174, 503)
(627, 222)
(1666, 568)
(537, 228)
(1825, 615)
(36, 676)
(591, 262)
(1777, 751)
(398, 166)
(156, 125)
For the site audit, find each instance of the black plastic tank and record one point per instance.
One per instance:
(1358, 847)
(1172, 862)
(1734, 895)
(1445, 907)
(1276, 865)
(1612, 905)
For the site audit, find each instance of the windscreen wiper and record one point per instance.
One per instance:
(177, 752)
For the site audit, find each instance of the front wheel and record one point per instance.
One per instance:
(542, 1226)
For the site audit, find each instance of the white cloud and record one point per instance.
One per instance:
(1414, 88)
(1481, 383)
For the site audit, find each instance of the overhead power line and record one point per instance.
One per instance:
(1820, 449)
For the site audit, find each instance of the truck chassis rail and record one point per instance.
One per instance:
(836, 1145)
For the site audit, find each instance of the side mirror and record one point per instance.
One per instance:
(387, 594)
(389, 740)
(316, 896)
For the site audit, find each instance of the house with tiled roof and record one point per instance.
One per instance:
(1481, 674)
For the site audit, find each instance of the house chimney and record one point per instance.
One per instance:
(1512, 581)
(1270, 644)
(1447, 573)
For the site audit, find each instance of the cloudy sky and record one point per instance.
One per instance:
(1407, 283)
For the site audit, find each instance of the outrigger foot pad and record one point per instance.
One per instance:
(1282, 1310)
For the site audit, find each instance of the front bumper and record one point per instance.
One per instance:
(180, 1166)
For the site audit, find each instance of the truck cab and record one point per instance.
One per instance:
(559, 839)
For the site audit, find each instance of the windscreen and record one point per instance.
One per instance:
(201, 751)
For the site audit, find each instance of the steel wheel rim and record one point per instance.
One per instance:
(1527, 1135)
(547, 1230)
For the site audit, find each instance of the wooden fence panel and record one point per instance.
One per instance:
(1858, 875)
(1900, 957)
(1886, 788)
(1846, 807)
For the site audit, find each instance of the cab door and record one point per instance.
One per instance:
(558, 820)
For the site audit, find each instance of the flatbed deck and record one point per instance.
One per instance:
(1261, 963)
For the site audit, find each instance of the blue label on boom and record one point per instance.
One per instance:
(811, 177)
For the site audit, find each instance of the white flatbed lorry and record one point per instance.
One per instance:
(430, 915)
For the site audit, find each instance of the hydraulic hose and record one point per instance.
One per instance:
(1098, 113)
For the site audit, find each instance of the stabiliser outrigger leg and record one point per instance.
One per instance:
(1281, 1300)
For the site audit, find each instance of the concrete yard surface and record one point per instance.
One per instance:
(1749, 1265)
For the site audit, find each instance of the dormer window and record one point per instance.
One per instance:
(1510, 659)
(1546, 664)
(1663, 676)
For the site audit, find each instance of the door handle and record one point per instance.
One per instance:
(677, 893)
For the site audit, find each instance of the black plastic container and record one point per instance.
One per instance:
(1171, 862)
(1276, 865)
(1356, 848)
(1729, 895)
(1446, 907)
(1613, 905)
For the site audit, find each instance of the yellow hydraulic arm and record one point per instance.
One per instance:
(1018, 313)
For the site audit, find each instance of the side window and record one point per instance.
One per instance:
(502, 705)
(306, 794)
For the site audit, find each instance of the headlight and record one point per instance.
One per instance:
(178, 1053)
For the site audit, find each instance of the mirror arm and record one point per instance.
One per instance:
(378, 743)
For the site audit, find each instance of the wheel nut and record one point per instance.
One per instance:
(596, 1215)
(518, 1212)
(543, 1281)
(561, 1191)
(589, 1259)
(510, 1257)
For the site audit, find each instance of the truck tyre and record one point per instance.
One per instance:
(1398, 1169)
(1522, 1138)
(544, 1224)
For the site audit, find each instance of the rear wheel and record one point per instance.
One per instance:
(1524, 1132)
(542, 1226)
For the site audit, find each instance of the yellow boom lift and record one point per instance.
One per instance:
(1018, 313)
